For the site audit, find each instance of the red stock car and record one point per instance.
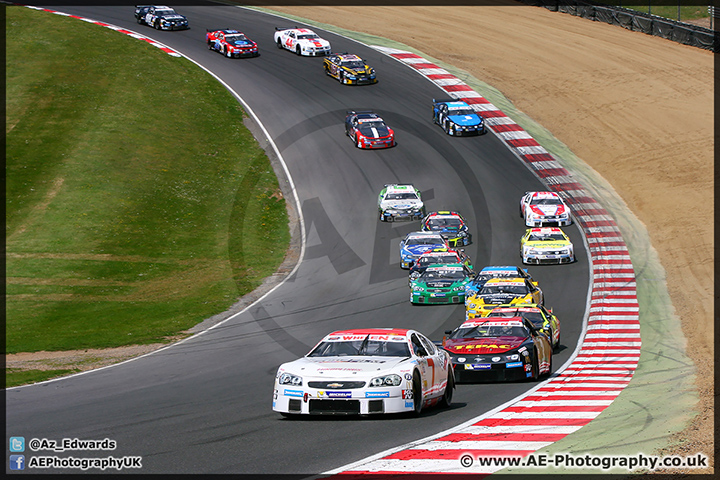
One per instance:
(231, 43)
(367, 130)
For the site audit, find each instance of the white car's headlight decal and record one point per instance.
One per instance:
(386, 381)
(290, 379)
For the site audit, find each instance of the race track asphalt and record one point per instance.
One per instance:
(204, 406)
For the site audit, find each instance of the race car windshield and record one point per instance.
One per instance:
(373, 123)
(437, 223)
(437, 259)
(511, 289)
(535, 318)
(235, 38)
(462, 111)
(365, 347)
(424, 241)
(546, 201)
(168, 11)
(401, 196)
(353, 64)
(307, 36)
(442, 275)
(485, 331)
(551, 237)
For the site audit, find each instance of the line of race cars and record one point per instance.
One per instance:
(508, 333)
(365, 128)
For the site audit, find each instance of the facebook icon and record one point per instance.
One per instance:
(17, 462)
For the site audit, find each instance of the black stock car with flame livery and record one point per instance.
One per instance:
(496, 348)
(349, 69)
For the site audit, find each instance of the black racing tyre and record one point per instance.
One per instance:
(549, 372)
(358, 143)
(227, 52)
(140, 21)
(288, 415)
(341, 77)
(535, 372)
(210, 45)
(298, 50)
(446, 399)
(279, 43)
(446, 127)
(417, 394)
(157, 24)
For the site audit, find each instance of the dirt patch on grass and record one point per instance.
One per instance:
(82, 360)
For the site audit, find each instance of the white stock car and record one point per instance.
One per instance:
(366, 371)
(302, 41)
(400, 202)
(544, 208)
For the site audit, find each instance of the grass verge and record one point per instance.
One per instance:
(137, 203)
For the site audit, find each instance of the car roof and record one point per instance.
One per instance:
(517, 308)
(505, 281)
(397, 188)
(499, 321)
(457, 105)
(545, 230)
(348, 56)
(497, 269)
(544, 195)
(375, 332)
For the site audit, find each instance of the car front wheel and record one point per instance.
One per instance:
(417, 394)
(446, 400)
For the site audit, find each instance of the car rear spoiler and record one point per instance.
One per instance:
(286, 28)
(358, 111)
(444, 100)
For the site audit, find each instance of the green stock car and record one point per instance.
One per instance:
(444, 283)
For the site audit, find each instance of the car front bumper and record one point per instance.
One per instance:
(489, 372)
(365, 401)
(545, 258)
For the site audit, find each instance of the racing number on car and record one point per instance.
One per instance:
(289, 42)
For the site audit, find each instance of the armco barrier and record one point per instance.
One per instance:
(685, 33)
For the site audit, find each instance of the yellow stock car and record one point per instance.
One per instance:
(349, 69)
(542, 318)
(546, 245)
(502, 291)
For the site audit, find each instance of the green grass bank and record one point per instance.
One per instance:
(137, 203)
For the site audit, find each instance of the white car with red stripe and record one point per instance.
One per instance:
(366, 371)
(302, 41)
(544, 208)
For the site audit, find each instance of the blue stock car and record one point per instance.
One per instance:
(457, 118)
(415, 244)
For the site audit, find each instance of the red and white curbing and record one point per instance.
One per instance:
(611, 347)
(152, 42)
(603, 366)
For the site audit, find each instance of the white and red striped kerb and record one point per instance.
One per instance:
(610, 350)
(152, 42)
